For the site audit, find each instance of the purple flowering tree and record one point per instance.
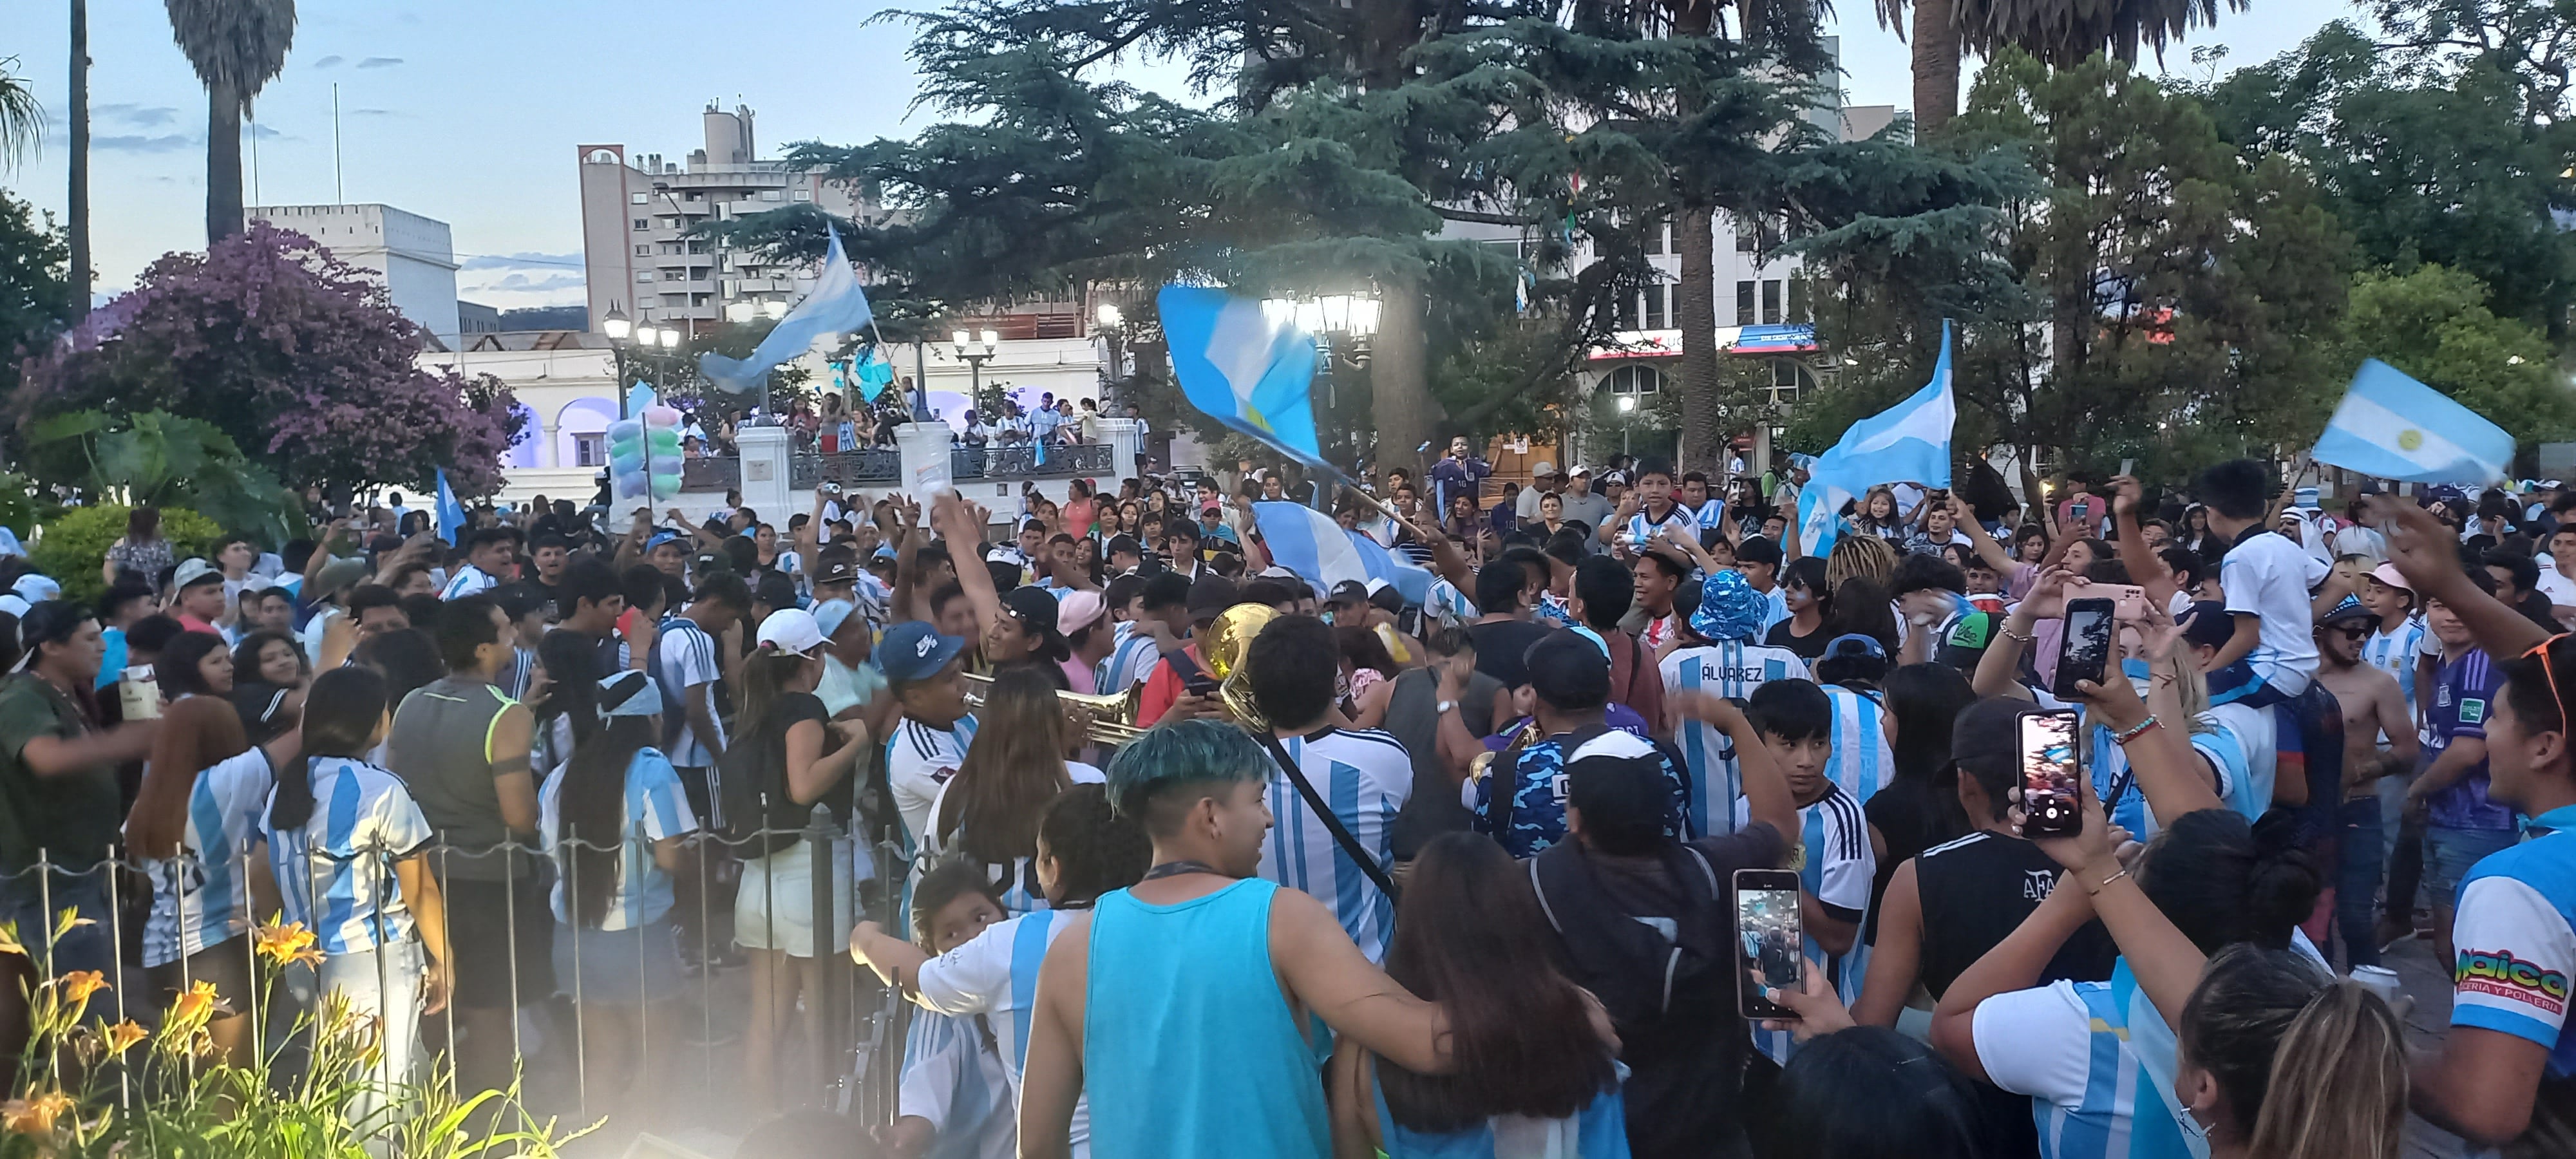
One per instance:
(297, 355)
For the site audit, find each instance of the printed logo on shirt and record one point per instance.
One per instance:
(2499, 973)
(2036, 884)
(2472, 710)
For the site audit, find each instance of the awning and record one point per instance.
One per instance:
(1744, 340)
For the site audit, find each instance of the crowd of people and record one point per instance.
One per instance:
(1471, 872)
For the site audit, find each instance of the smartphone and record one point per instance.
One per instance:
(1200, 684)
(2050, 803)
(2128, 466)
(2084, 652)
(2128, 601)
(1771, 936)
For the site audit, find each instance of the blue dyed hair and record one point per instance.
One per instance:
(1183, 753)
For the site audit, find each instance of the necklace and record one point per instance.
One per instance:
(1177, 868)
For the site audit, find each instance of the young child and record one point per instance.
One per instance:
(1834, 862)
(953, 1100)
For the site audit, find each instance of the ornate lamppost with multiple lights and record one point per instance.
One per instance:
(647, 340)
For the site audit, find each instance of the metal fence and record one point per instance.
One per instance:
(854, 1028)
(884, 466)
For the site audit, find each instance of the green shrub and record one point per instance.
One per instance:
(75, 543)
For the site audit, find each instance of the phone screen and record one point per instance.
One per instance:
(2086, 648)
(2049, 767)
(1771, 937)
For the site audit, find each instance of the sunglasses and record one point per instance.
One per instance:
(2549, 672)
(2353, 633)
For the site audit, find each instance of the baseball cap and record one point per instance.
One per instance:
(2210, 625)
(791, 630)
(192, 572)
(36, 588)
(831, 614)
(1618, 477)
(1542, 469)
(1079, 610)
(838, 570)
(629, 693)
(337, 576)
(1854, 644)
(1568, 671)
(1209, 595)
(1349, 592)
(661, 537)
(2348, 610)
(914, 650)
(1579, 469)
(1033, 608)
(1623, 799)
(2387, 573)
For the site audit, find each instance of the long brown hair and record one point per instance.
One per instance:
(2313, 1067)
(1522, 1035)
(1013, 768)
(196, 733)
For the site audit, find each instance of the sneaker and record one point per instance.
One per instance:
(2391, 934)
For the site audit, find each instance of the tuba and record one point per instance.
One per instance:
(1113, 717)
(1228, 642)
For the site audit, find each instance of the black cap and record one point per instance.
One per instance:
(1033, 608)
(839, 570)
(2210, 625)
(1349, 592)
(1210, 594)
(1569, 671)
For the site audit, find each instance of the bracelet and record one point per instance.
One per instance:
(2105, 883)
(2131, 734)
(2009, 634)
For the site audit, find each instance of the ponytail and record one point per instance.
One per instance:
(340, 718)
(766, 674)
(2311, 1067)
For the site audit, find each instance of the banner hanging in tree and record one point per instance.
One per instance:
(2390, 426)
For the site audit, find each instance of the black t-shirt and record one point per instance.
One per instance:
(1806, 647)
(755, 773)
(1976, 891)
(1501, 647)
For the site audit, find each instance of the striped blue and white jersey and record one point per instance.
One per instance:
(200, 897)
(657, 809)
(996, 975)
(469, 580)
(1642, 528)
(1775, 608)
(1835, 867)
(1862, 761)
(2393, 652)
(2097, 1062)
(1446, 605)
(1128, 664)
(687, 663)
(952, 1076)
(1711, 516)
(1365, 777)
(523, 667)
(335, 873)
(1726, 671)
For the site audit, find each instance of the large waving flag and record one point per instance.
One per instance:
(1310, 543)
(837, 306)
(450, 513)
(2390, 426)
(1906, 443)
(1252, 373)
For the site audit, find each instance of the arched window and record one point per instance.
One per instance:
(603, 157)
(1633, 380)
(1789, 379)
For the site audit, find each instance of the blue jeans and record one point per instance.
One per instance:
(36, 907)
(385, 983)
(2357, 882)
(2450, 853)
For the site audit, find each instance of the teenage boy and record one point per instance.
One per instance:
(689, 656)
(1161, 619)
(1182, 1045)
(1365, 777)
(1836, 866)
(924, 672)
(198, 597)
(2271, 654)
(2462, 824)
(1659, 575)
(488, 553)
(2379, 741)
(1570, 680)
(1645, 513)
(1726, 663)
(1759, 559)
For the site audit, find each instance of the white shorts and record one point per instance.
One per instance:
(774, 907)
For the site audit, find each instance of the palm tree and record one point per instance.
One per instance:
(20, 116)
(237, 47)
(2055, 31)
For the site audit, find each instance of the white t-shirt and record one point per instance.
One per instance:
(2560, 589)
(2270, 577)
(995, 974)
(919, 760)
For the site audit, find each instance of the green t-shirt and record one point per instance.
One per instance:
(75, 817)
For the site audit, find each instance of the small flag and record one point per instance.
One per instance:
(2390, 426)
(1906, 443)
(451, 514)
(837, 306)
(1244, 369)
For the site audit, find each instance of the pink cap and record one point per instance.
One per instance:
(1078, 611)
(2387, 573)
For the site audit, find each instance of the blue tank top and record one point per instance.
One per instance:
(1188, 1047)
(1599, 1131)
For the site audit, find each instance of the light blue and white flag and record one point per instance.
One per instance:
(1244, 369)
(450, 513)
(836, 308)
(1906, 443)
(1313, 545)
(2390, 426)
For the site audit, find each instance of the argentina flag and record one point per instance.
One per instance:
(2390, 426)
(837, 307)
(1906, 443)
(1310, 543)
(1251, 372)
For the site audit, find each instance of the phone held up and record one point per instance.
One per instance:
(1771, 936)
(2051, 801)
(2084, 652)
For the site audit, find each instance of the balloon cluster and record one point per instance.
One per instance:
(644, 451)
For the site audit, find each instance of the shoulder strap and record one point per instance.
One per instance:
(1342, 836)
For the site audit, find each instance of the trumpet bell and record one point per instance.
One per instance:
(1113, 717)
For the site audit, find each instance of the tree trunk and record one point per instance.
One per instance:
(1703, 443)
(77, 209)
(1400, 380)
(223, 163)
(1936, 65)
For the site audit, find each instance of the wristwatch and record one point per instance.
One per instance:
(1445, 707)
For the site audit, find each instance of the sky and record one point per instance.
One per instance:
(472, 111)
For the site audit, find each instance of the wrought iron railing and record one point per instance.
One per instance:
(884, 465)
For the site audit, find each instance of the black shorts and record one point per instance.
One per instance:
(226, 964)
(489, 925)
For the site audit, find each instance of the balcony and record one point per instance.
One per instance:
(883, 466)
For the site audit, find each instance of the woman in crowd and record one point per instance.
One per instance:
(1018, 628)
(1918, 807)
(1810, 602)
(614, 818)
(988, 812)
(349, 848)
(1370, 672)
(269, 678)
(790, 756)
(1867, 1092)
(1535, 1056)
(1551, 516)
(141, 552)
(192, 826)
(1081, 509)
(1463, 520)
(2279, 1059)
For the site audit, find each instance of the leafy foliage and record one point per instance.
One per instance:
(35, 290)
(162, 460)
(2433, 323)
(75, 541)
(296, 356)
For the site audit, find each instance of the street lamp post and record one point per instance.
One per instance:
(620, 331)
(1627, 424)
(1352, 316)
(975, 350)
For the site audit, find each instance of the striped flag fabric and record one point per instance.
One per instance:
(2390, 426)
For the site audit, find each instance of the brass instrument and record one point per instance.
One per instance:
(1228, 641)
(1113, 718)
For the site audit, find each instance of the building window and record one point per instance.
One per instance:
(1743, 303)
(638, 198)
(1743, 239)
(1798, 301)
(1633, 380)
(643, 223)
(590, 450)
(1659, 311)
(1625, 317)
(643, 275)
(1771, 302)
(1789, 378)
(804, 195)
(694, 195)
(643, 251)
(1656, 233)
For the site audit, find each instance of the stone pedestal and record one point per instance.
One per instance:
(925, 448)
(1126, 439)
(764, 471)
